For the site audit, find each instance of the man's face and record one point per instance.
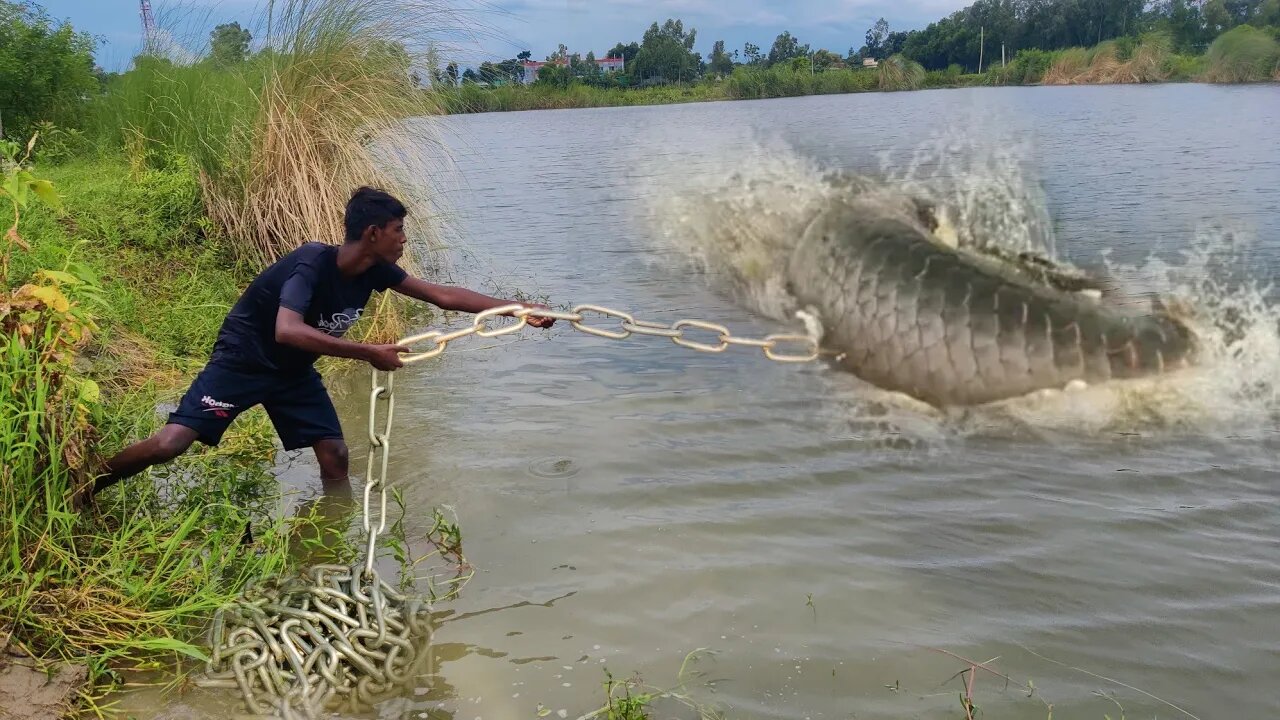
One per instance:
(388, 241)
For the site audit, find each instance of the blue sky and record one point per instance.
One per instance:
(540, 25)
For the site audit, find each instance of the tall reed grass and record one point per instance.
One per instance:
(899, 73)
(1151, 60)
(282, 139)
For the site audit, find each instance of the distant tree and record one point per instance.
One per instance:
(825, 59)
(509, 70)
(586, 69)
(626, 52)
(876, 35)
(561, 53)
(1217, 18)
(46, 70)
(229, 44)
(893, 43)
(524, 55)
(751, 52)
(666, 54)
(1182, 20)
(470, 76)
(554, 76)
(1269, 13)
(785, 47)
(720, 63)
(452, 71)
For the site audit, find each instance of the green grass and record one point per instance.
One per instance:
(132, 581)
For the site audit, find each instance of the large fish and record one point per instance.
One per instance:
(952, 326)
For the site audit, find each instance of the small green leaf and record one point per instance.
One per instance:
(44, 189)
(59, 276)
(16, 189)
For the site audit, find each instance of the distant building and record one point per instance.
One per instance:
(869, 62)
(530, 68)
(612, 64)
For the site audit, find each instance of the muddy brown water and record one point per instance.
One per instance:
(626, 503)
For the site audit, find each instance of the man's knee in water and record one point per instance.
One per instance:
(332, 455)
(171, 442)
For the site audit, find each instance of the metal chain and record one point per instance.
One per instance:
(335, 638)
(340, 637)
(805, 348)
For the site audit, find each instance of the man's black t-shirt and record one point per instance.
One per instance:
(306, 280)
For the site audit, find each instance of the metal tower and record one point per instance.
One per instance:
(148, 20)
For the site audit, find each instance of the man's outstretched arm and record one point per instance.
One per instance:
(293, 331)
(448, 297)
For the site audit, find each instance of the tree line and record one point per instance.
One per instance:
(971, 39)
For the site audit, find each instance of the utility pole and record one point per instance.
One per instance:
(982, 38)
(1002, 55)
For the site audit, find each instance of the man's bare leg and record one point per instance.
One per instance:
(171, 441)
(331, 454)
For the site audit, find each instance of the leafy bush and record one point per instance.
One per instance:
(46, 70)
(1242, 54)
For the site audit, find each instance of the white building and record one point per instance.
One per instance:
(530, 68)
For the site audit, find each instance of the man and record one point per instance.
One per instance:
(292, 313)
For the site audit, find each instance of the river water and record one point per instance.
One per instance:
(834, 549)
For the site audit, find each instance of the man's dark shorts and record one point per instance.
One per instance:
(298, 404)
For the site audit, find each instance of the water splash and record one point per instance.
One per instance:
(739, 231)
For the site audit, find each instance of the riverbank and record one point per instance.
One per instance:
(141, 216)
(1242, 55)
(107, 315)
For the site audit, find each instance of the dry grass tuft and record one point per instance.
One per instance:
(338, 79)
(1070, 63)
(1102, 65)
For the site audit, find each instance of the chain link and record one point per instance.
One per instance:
(379, 456)
(802, 348)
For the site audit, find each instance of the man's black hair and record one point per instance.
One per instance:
(371, 206)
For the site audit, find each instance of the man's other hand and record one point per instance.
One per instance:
(387, 357)
(540, 322)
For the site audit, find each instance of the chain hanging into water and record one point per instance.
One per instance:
(335, 637)
(338, 637)
(804, 347)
